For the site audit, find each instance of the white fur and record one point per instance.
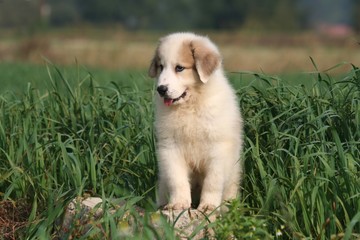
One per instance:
(199, 137)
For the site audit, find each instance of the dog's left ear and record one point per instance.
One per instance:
(207, 60)
(154, 67)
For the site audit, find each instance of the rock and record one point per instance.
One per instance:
(190, 223)
(82, 213)
(78, 215)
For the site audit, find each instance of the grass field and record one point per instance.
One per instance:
(76, 132)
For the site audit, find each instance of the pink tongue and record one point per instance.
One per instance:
(168, 101)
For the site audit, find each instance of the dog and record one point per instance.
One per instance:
(198, 125)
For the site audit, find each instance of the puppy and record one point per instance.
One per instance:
(198, 125)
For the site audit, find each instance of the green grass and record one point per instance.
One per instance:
(302, 154)
(74, 132)
(15, 77)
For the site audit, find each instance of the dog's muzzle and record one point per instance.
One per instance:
(162, 90)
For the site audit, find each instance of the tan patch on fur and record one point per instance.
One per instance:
(186, 56)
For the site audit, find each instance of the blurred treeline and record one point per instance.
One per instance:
(164, 14)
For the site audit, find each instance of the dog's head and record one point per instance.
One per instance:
(183, 62)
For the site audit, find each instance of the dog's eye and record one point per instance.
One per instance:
(179, 68)
(161, 67)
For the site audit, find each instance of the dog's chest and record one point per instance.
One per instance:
(189, 123)
(190, 127)
(193, 135)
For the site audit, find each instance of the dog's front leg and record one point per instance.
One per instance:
(216, 173)
(174, 185)
(212, 189)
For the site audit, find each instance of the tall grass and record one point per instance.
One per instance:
(302, 154)
(79, 138)
(74, 140)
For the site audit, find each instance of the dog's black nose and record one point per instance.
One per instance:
(162, 89)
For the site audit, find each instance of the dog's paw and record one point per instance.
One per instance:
(177, 206)
(204, 207)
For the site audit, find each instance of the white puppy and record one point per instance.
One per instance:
(198, 125)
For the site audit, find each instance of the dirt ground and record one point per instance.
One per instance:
(13, 217)
(242, 51)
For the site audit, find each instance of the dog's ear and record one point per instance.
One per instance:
(153, 69)
(206, 59)
(154, 65)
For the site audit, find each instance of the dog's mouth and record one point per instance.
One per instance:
(170, 101)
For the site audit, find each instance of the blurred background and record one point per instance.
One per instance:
(267, 35)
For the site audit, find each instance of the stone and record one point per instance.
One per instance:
(82, 213)
(190, 223)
